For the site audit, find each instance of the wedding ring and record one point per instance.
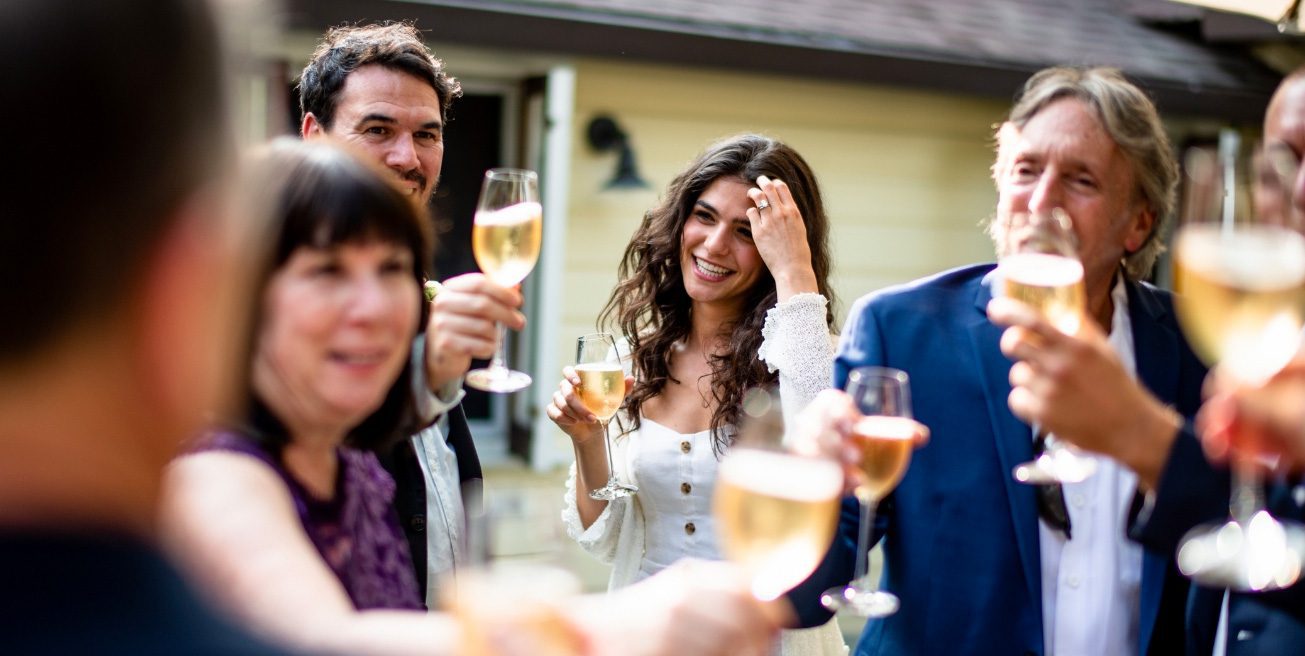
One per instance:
(763, 204)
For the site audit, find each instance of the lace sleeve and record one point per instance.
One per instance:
(797, 344)
(602, 536)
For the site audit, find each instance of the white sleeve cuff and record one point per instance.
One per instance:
(430, 405)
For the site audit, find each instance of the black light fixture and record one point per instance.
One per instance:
(606, 135)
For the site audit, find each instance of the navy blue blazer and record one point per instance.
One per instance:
(960, 536)
(1192, 492)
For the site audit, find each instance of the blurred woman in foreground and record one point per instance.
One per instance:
(285, 512)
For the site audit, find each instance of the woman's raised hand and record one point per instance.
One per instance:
(568, 411)
(780, 235)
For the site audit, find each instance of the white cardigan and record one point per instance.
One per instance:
(797, 344)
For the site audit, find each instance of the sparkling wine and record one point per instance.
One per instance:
(514, 609)
(777, 515)
(1240, 295)
(506, 242)
(602, 388)
(886, 444)
(1052, 284)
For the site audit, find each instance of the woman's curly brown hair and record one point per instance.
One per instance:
(651, 308)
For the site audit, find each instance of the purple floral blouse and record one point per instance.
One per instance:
(356, 531)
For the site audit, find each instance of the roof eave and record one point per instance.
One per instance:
(784, 54)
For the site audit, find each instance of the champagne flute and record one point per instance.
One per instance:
(1240, 274)
(512, 547)
(602, 388)
(505, 240)
(886, 437)
(1045, 273)
(776, 510)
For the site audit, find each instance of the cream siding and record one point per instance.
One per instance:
(905, 174)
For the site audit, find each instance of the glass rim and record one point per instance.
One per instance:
(508, 172)
(878, 371)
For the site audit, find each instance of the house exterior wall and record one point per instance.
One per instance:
(904, 174)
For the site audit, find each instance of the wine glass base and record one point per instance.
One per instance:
(1258, 556)
(497, 380)
(1049, 468)
(860, 602)
(613, 490)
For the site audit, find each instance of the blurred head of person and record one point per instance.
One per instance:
(340, 302)
(379, 88)
(694, 230)
(1090, 142)
(1280, 180)
(122, 281)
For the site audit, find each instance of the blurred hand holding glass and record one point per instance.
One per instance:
(515, 597)
(776, 510)
(1239, 269)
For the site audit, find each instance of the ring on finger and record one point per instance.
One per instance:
(763, 204)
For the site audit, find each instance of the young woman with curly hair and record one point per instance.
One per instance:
(724, 288)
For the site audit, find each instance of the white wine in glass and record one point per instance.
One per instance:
(776, 511)
(1051, 284)
(505, 239)
(777, 516)
(1240, 275)
(886, 444)
(602, 389)
(1044, 272)
(886, 438)
(512, 609)
(1241, 295)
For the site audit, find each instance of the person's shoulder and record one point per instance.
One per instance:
(937, 290)
(222, 479)
(99, 592)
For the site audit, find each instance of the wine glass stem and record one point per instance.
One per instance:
(607, 442)
(1247, 498)
(500, 351)
(863, 535)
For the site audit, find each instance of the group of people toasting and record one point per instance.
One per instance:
(258, 394)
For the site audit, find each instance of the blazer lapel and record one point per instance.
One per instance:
(1156, 347)
(1014, 441)
(1156, 350)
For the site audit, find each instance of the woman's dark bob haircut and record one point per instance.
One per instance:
(318, 196)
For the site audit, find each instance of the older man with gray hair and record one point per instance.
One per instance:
(984, 564)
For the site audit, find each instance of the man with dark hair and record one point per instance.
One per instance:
(984, 564)
(122, 286)
(380, 90)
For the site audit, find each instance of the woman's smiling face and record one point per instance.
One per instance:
(719, 262)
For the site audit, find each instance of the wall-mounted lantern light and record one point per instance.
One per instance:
(605, 135)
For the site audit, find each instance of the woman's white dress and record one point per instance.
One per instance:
(670, 517)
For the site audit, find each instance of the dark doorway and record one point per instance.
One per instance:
(473, 143)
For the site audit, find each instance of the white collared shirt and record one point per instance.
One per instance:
(444, 521)
(439, 468)
(1091, 584)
